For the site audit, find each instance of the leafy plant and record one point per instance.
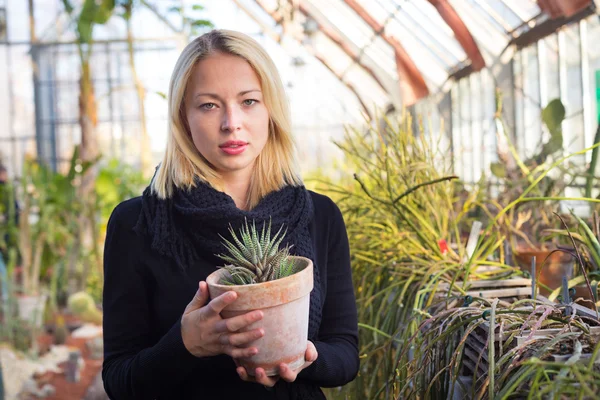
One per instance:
(256, 258)
(525, 222)
(586, 251)
(193, 24)
(19, 334)
(521, 346)
(404, 216)
(48, 219)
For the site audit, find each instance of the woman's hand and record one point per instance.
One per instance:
(285, 372)
(206, 334)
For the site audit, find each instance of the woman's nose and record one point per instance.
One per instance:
(231, 120)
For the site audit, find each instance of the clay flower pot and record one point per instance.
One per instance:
(285, 305)
(552, 272)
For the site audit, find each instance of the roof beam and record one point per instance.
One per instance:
(348, 85)
(336, 37)
(276, 15)
(548, 27)
(412, 83)
(563, 8)
(461, 32)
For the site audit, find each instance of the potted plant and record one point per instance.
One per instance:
(46, 231)
(526, 223)
(32, 240)
(269, 279)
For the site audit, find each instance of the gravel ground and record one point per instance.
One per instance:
(17, 368)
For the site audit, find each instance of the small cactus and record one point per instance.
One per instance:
(60, 330)
(82, 305)
(255, 257)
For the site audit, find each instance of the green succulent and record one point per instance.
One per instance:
(256, 258)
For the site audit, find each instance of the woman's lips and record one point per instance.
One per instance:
(234, 149)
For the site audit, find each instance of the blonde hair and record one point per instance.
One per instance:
(276, 165)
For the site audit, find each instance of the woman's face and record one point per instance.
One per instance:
(226, 113)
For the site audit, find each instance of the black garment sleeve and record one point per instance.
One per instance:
(135, 366)
(337, 343)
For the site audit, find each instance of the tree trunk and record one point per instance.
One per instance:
(37, 264)
(146, 156)
(25, 245)
(88, 120)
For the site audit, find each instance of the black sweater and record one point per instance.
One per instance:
(144, 298)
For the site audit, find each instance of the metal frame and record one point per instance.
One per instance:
(549, 26)
(588, 116)
(562, 77)
(461, 32)
(278, 18)
(356, 54)
(412, 83)
(563, 8)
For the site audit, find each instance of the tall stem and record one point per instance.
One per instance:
(592, 169)
(141, 94)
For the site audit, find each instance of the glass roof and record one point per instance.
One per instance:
(368, 55)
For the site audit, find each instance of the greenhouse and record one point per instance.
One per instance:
(299, 199)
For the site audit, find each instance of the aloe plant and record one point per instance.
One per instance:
(255, 258)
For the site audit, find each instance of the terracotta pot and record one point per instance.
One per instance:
(31, 309)
(551, 273)
(285, 304)
(582, 292)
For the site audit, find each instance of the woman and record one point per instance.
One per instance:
(230, 156)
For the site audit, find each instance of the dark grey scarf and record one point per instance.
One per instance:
(188, 225)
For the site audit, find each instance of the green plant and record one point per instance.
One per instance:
(256, 257)
(18, 333)
(526, 222)
(520, 344)
(405, 216)
(60, 331)
(82, 305)
(437, 347)
(8, 250)
(48, 218)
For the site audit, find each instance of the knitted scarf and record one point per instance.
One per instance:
(187, 226)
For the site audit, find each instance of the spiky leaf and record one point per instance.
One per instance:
(255, 256)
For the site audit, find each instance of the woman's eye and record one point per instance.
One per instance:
(208, 106)
(249, 102)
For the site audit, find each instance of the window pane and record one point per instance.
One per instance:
(573, 98)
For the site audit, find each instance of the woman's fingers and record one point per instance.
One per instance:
(284, 370)
(286, 373)
(237, 352)
(236, 323)
(240, 339)
(217, 304)
(311, 353)
(261, 377)
(243, 374)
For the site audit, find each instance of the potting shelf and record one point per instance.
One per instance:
(504, 289)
